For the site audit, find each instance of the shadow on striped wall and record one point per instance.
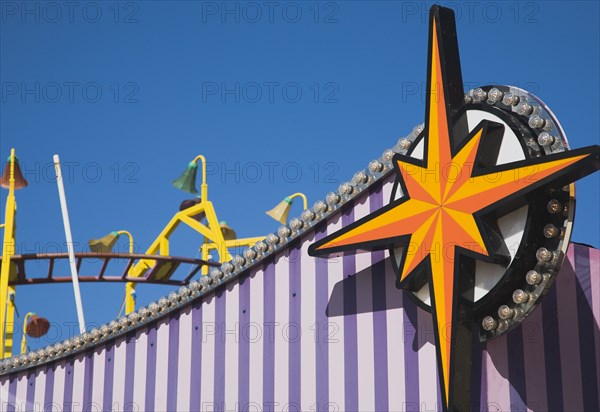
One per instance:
(550, 362)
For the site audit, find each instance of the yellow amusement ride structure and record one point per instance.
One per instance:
(155, 266)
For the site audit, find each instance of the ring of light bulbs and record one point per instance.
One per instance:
(550, 218)
(533, 284)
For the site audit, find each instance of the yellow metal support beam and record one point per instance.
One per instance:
(10, 322)
(8, 250)
(304, 199)
(129, 289)
(24, 334)
(212, 232)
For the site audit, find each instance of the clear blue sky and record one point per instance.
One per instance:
(280, 97)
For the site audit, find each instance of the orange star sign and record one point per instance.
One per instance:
(441, 219)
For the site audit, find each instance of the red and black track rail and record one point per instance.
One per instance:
(160, 273)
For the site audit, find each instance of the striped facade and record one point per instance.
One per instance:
(303, 333)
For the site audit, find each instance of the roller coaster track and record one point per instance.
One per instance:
(162, 272)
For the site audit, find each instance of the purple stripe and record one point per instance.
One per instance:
(476, 377)
(109, 369)
(411, 356)
(88, 381)
(131, 342)
(380, 331)
(533, 344)
(11, 404)
(321, 321)
(483, 406)
(295, 352)
(350, 328)
(244, 345)
(49, 389)
(151, 368)
(552, 352)
(68, 398)
(379, 314)
(568, 331)
(196, 360)
(30, 392)
(587, 344)
(516, 370)
(173, 361)
(269, 344)
(221, 332)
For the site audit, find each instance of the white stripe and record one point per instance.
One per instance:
(78, 381)
(333, 332)
(4, 393)
(119, 358)
(361, 206)
(207, 393)
(256, 337)
(364, 317)
(307, 321)
(281, 330)
(98, 385)
(428, 376)
(58, 392)
(162, 366)
(363, 260)
(364, 330)
(387, 189)
(21, 395)
(395, 340)
(185, 359)
(139, 377)
(232, 325)
(498, 386)
(40, 390)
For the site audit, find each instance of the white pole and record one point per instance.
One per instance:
(65, 215)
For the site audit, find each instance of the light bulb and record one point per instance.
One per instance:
(550, 231)
(488, 323)
(553, 206)
(320, 206)
(494, 95)
(272, 239)
(404, 144)
(510, 99)
(520, 296)
(524, 108)
(533, 278)
(479, 95)
(536, 122)
(545, 138)
(360, 178)
(345, 189)
(388, 155)
(505, 312)
(543, 255)
(250, 253)
(375, 166)
(332, 198)
(296, 224)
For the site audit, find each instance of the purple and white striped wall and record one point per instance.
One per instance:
(302, 333)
